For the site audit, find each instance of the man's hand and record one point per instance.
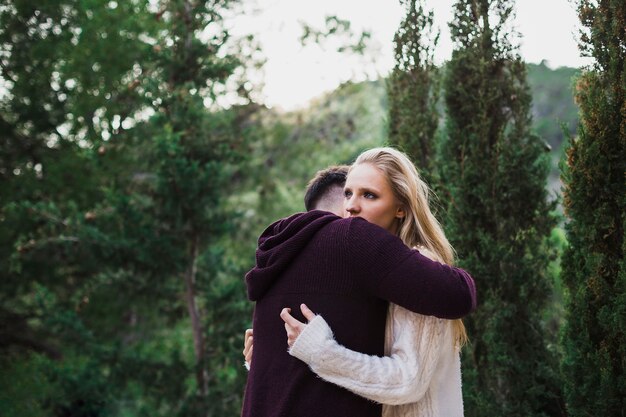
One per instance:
(293, 326)
(247, 346)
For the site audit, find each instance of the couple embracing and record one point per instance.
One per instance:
(363, 286)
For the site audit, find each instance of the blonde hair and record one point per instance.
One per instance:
(418, 228)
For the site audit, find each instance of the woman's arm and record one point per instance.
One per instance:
(401, 378)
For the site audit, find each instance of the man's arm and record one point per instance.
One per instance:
(428, 287)
(403, 276)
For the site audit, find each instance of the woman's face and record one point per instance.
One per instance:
(368, 195)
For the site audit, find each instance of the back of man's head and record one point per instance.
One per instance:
(325, 190)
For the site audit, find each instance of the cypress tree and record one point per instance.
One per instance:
(595, 204)
(413, 87)
(498, 217)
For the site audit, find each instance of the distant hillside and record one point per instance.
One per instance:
(338, 125)
(553, 110)
(553, 102)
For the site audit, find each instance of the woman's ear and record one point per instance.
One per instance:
(400, 213)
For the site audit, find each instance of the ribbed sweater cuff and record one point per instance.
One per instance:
(311, 340)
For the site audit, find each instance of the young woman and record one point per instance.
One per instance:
(421, 374)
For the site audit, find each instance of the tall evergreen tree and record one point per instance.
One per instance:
(117, 296)
(173, 204)
(594, 268)
(413, 87)
(64, 70)
(498, 217)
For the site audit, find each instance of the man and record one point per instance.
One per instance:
(324, 192)
(347, 270)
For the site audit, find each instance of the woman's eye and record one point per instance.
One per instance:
(347, 194)
(369, 195)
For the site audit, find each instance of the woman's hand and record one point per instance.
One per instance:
(293, 326)
(247, 346)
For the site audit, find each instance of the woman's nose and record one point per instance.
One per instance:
(351, 205)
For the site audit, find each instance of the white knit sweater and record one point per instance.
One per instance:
(420, 376)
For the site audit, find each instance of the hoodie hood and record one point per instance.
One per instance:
(279, 244)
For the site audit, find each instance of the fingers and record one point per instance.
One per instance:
(247, 346)
(308, 314)
(292, 334)
(247, 341)
(288, 318)
(293, 326)
(248, 356)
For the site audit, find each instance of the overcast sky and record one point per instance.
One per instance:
(294, 74)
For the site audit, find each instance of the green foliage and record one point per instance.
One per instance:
(23, 387)
(413, 88)
(595, 202)
(494, 170)
(112, 218)
(51, 116)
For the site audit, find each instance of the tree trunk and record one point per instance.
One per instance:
(198, 338)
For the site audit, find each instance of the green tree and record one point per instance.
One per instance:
(62, 64)
(173, 204)
(595, 204)
(117, 290)
(413, 87)
(498, 216)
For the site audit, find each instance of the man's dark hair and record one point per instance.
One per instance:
(322, 183)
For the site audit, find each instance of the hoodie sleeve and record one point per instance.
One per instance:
(405, 277)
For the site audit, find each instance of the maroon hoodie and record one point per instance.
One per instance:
(347, 270)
